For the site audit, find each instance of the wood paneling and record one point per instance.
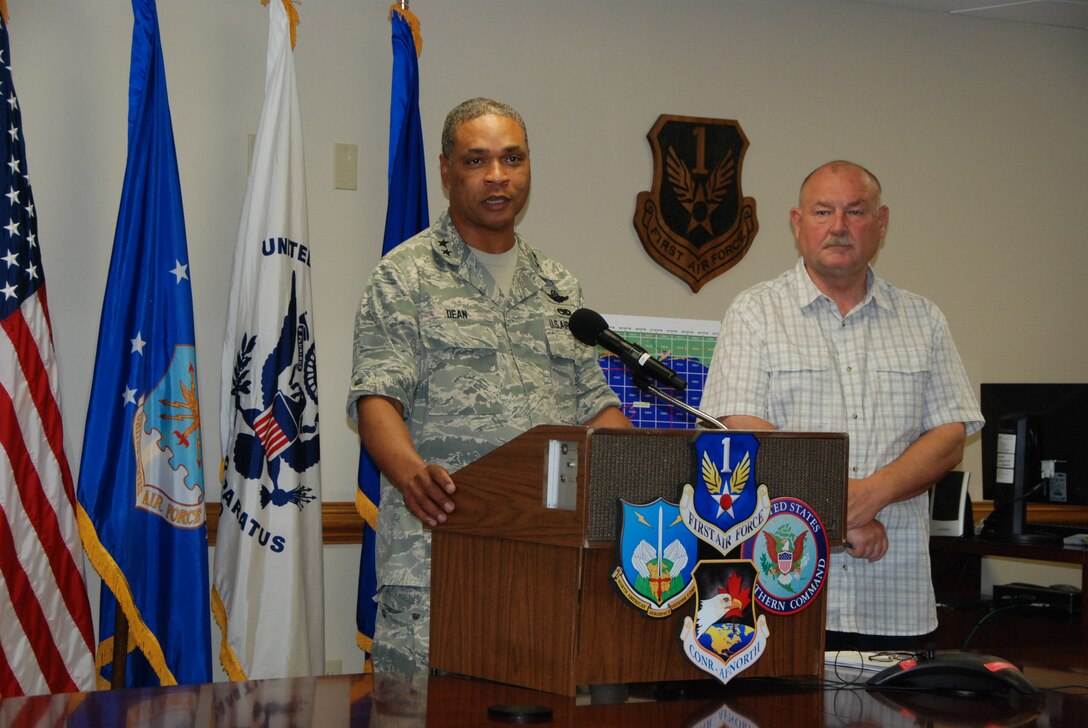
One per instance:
(1037, 512)
(340, 522)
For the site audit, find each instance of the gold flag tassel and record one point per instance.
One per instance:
(401, 9)
(292, 17)
(4, 10)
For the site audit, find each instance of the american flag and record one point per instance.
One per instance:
(46, 630)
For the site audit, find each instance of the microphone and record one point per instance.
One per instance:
(590, 328)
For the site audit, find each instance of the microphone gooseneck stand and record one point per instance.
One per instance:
(644, 384)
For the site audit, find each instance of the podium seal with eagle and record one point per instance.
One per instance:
(727, 635)
(791, 557)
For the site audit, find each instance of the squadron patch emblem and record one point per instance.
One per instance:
(695, 222)
(657, 555)
(791, 557)
(726, 636)
(725, 507)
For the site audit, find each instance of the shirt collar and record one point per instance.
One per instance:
(807, 293)
(451, 248)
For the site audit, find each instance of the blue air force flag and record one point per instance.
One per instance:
(269, 587)
(405, 215)
(141, 477)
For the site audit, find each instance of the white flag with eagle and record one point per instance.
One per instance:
(268, 596)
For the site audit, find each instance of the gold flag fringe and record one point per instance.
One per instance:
(413, 23)
(366, 509)
(4, 10)
(360, 688)
(228, 658)
(114, 579)
(292, 17)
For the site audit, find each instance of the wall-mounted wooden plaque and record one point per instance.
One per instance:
(695, 222)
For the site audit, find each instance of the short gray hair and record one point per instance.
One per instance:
(472, 109)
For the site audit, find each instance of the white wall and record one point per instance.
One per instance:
(976, 129)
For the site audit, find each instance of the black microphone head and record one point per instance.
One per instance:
(587, 326)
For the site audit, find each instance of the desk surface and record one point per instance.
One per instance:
(988, 547)
(387, 701)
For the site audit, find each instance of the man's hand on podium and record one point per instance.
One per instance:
(427, 494)
(426, 488)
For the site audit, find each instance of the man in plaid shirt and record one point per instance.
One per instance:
(830, 347)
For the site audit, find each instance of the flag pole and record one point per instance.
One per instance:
(120, 649)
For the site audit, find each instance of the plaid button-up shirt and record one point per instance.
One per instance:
(885, 373)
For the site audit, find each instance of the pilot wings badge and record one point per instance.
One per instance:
(695, 222)
(657, 555)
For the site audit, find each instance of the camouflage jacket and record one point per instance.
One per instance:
(472, 368)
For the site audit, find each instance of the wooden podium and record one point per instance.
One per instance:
(520, 587)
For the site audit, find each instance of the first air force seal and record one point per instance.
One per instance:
(695, 222)
(725, 507)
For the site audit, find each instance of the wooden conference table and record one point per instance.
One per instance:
(386, 701)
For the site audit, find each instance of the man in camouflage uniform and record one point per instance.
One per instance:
(461, 345)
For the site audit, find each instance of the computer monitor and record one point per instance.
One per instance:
(1034, 449)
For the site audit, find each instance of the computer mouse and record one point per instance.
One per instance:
(960, 672)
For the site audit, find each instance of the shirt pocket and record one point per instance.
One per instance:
(563, 352)
(800, 389)
(901, 377)
(460, 366)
